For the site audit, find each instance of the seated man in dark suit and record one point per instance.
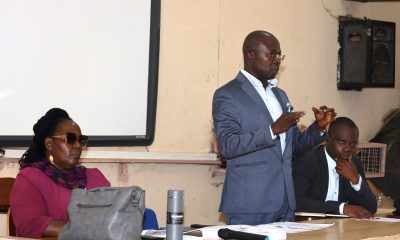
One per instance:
(328, 179)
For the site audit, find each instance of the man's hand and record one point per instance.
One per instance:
(347, 169)
(285, 121)
(357, 212)
(323, 116)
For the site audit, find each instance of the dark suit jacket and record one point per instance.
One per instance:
(311, 177)
(258, 174)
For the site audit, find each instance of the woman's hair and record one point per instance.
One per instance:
(44, 127)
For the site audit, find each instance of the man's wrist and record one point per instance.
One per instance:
(357, 186)
(319, 128)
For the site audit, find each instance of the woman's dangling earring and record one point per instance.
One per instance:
(49, 150)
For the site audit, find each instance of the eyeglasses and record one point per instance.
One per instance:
(72, 139)
(272, 56)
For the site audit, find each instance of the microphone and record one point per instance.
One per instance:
(226, 233)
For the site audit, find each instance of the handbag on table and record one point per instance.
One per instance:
(105, 213)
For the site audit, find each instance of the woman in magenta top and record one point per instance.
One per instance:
(49, 170)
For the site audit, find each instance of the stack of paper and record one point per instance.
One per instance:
(275, 231)
(312, 214)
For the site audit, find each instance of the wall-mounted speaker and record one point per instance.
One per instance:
(366, 54)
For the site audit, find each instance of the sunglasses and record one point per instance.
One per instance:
(273, 56)
(72, 139)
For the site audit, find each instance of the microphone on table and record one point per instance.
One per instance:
(226, 233)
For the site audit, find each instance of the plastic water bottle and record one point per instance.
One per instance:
(175, 215)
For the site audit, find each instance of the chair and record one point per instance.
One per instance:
(6, 185)
(11, 231)
(150, 220)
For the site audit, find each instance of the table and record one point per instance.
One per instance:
(344, 228)
(351, 229)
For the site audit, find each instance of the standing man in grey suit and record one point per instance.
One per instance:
(258, 134)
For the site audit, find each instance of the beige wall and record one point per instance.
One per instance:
(201, 50)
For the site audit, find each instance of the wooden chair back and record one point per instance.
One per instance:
(6, 185)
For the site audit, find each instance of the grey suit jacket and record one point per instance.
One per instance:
(258, 175)
(311, 177)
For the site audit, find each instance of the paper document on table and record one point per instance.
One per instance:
(277, 230)
(274, 231)
(162, 234)
(384, 219)
(296, 227)
(312, 214)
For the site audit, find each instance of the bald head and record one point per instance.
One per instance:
(260, 51)
(255, 39)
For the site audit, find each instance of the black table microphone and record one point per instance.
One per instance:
(226, 233)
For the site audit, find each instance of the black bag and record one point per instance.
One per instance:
(105, 213)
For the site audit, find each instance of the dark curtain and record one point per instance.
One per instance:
(390, 134)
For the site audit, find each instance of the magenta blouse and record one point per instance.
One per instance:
(36, 200)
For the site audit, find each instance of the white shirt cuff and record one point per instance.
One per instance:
(272, 134)
(357, 186)
(341, 206)
(322, 133)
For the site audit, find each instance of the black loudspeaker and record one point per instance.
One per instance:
(366, 54)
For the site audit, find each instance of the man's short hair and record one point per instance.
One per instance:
(341, 121)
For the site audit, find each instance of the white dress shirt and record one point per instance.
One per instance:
(333, 184)
(270, 100)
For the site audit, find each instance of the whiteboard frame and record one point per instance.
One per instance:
(126, 140)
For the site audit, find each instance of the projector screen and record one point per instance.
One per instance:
(97, 59)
